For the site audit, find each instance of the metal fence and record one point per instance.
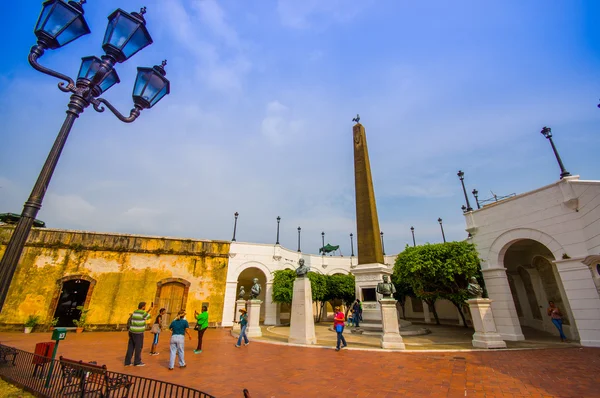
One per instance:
(67, 378)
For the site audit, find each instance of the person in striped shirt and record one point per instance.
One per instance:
(137, 327)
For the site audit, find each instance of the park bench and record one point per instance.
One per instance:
(88, 379)
(5, 353)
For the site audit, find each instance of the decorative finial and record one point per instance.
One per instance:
(357, 118)
(143, 10)
(161, 68)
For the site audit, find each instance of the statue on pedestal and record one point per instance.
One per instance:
(242, 293)
(475, 291)
(386, 288)
(256, 289)
(302, 270)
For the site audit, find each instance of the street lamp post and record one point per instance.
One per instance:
(352, 244)
(60, 23)
(299, 229)
(412, 230)
(235, 215)
(323, 239)
(442, 228)
(278, 220)
(382, 245)
(461, 176)
(476, 195)
(547, 132)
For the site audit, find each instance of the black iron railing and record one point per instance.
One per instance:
(68, 378)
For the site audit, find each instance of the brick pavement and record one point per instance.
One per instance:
(269, 370)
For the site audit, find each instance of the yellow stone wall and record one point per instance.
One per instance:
(126, 269)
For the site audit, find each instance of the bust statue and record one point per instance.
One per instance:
(256, 289)
(385, 288)
(302, 270)
(475, 291)
(242, 293)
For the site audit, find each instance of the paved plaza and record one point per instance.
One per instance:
(275, 370)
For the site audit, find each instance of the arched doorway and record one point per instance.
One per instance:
(246, 279)
(534, 281)
(73, 291)
(171, 294)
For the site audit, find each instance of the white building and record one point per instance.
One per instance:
(251, 260)
(542, 246)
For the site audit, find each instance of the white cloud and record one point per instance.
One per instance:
(278, 123)
(301, 14)
(71, 210)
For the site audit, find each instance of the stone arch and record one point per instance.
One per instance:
(251, 264)
(338, 271)
(59, 285)
(503, 242)
(160, 301)
(289, 266)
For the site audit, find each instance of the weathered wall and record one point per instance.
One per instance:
(126, 269)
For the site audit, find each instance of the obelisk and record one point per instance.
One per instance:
(370, 268)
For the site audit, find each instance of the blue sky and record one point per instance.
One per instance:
(259, 119)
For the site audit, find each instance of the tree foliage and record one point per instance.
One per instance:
(438, 271)
(324, 288)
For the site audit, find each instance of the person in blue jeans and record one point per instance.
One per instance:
(243, 325)
(554, 312)
(179, 328)
(338, 324)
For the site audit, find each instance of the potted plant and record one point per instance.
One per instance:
(82, 321)
(31, 322)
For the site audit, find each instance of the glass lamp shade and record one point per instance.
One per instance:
(89, 68)
(150, 86)
(126, 34)
(60, 23)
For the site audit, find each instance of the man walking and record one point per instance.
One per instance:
(137, 327)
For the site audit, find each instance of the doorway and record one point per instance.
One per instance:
(73, 294)
(172, 296)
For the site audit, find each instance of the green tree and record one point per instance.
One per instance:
(283, 286)
(438, 271)
(341, 287)
(403, 290)
(318, 285)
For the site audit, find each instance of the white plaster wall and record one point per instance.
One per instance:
(563, 216)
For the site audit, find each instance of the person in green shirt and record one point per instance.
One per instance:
(137, 327)
(202, 325)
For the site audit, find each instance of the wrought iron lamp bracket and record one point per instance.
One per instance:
(133, 114)
(34, 54)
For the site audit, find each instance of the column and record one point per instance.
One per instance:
(486, 333)
(270, 306)
(238, 306)
(426, 315)
(583, 299)
(503, 306)
(229, 304)
(390, 338)
(254, 318)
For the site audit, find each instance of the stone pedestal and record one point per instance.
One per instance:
(391, 331)
(486, 335)
(302, 322)
(239, 304)
(367, 276)
(254, 318)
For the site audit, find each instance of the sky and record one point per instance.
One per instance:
(259, 119)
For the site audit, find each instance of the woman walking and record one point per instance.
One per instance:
(338, 324)
(156, 329)
(201, 326)
(179, 328)
(243, 325)
(554, 312)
